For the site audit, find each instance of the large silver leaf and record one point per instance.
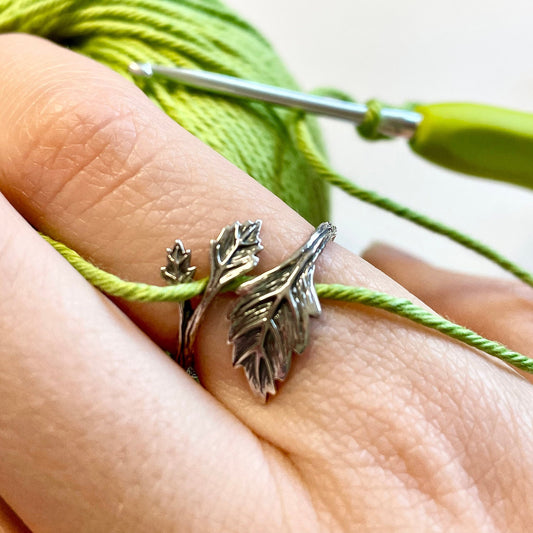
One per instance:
(270, 320)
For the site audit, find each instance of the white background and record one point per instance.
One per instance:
(414, 50)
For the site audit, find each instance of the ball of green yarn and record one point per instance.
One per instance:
(201, 34)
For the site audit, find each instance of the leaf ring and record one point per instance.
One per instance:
(270, 319)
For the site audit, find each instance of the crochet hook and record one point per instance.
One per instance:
(470, 138)
(394, 122)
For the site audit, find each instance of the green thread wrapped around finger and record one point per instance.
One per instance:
(128, 290)
(141, 292)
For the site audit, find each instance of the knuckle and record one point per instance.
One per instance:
(511, 296)
(492, 294)
(77, 135)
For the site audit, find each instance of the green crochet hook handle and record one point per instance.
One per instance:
(477, 139)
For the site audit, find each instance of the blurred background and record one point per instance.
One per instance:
(423, 51)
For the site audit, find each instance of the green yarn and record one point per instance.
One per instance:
(407, 309)
(200, 34)
(141, 292)
(315, 159)
(128, 290)
(369, 128)
(280, 148)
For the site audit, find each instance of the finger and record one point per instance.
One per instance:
(95, 164)
(498, 309)
(98, 167)
(99, 429)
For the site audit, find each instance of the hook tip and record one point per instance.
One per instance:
(141, 69)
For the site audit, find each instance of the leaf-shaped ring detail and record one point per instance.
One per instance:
(270, 320)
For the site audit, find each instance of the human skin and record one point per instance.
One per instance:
(382, 425)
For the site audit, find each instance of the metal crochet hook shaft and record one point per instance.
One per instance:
(394, 122)
(475, 139)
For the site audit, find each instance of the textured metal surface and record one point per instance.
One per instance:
(231, 254)
(178, 270)
(270, 320)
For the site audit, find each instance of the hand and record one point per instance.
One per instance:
(381, 426)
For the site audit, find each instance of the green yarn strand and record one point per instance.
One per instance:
(407, 309)
(141, 292)
(315, 159)
(114, 286)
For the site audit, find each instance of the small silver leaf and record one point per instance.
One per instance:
(233, 253)
(178, 268)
